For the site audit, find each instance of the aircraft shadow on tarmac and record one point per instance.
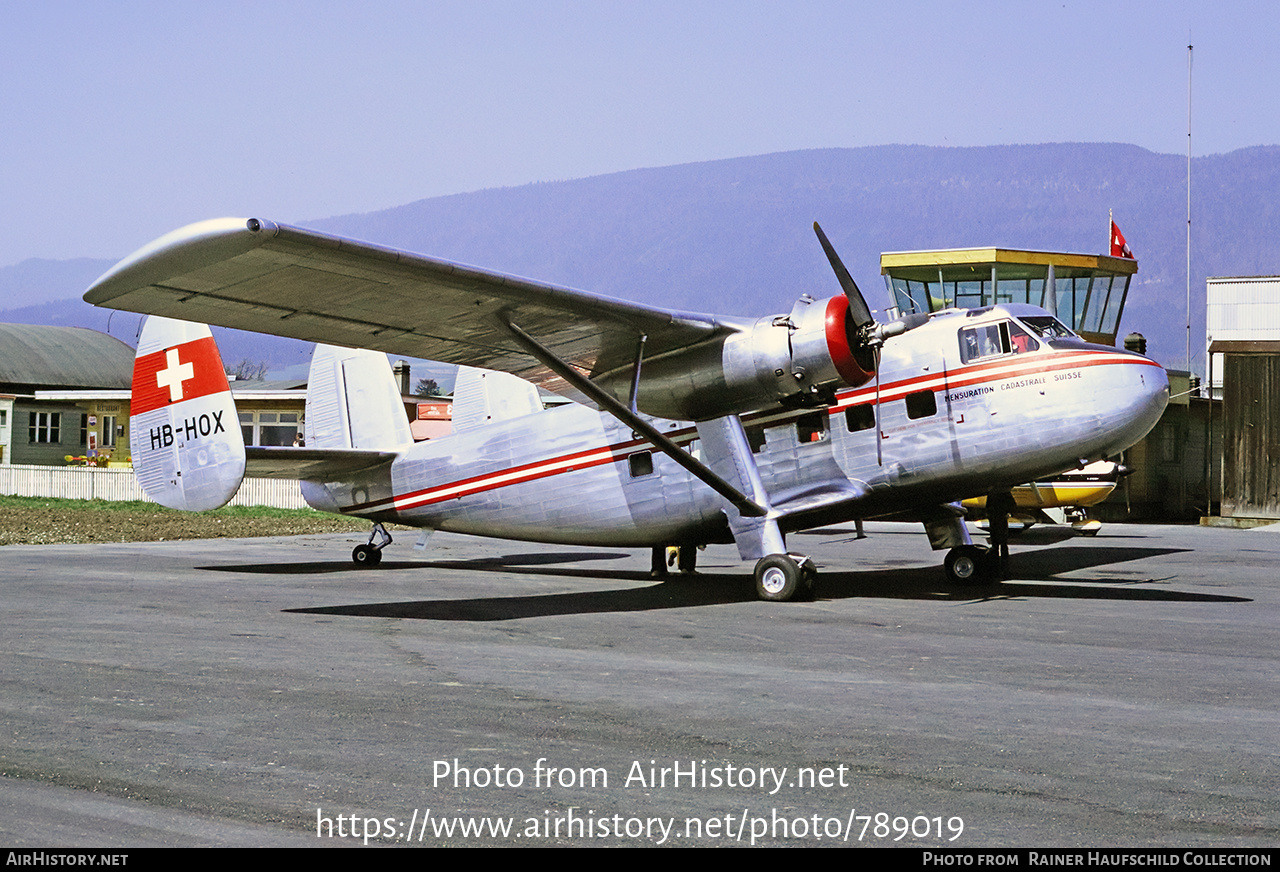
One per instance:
(1028, 572)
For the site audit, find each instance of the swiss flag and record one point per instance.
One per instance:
(1119, 248)
(184, 372)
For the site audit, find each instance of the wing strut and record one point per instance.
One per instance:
(544, 355)
(635, 373)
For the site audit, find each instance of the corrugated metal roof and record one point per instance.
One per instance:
(54, 357)
(1243, 308)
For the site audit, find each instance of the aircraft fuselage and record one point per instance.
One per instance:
(960, 409)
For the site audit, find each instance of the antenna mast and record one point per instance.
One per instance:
(1188, 211)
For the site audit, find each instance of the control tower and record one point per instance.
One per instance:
(1086, 291)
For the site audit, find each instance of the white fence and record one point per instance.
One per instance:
(88, 483)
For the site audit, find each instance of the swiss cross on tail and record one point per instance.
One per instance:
(184, 372)
(174, 374)
(186, 443)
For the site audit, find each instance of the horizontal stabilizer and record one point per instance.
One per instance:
(313, 464)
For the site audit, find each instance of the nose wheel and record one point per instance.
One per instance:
(370, 554)
(782, 578)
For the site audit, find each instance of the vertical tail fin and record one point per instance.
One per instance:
(353, 401)
(481, 396)
(187, 449)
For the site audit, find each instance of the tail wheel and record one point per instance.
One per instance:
(366, 556)
(970, 566)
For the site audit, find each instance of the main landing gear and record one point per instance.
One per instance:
(370, 554)
(781, 578)
(973, 565)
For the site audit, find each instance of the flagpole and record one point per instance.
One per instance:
(1189, 214)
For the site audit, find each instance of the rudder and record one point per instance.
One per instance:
(187, 449)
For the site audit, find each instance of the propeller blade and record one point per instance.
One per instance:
(858, 309)
(876, 412)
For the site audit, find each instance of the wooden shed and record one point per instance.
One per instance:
(1251, 427)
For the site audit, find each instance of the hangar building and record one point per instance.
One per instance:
(60, 358)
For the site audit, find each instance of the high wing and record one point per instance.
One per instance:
(271, 278)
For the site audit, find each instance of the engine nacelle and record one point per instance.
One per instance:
(795, 360)
(798, 360)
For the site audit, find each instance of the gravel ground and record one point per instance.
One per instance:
(43, 522)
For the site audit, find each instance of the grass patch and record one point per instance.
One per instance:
(135, 506)
(48, 520)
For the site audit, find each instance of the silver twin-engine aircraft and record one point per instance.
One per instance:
(687, 428)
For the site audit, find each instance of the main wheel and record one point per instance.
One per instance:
(366, 555)
(970, 566)
(778, 578)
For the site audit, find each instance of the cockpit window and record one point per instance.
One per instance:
(1048, 327)
(995, 340)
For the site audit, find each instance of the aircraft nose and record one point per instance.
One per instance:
(1152, 393)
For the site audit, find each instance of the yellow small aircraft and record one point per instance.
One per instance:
(1072, 492)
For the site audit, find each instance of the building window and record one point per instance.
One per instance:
(921, 405)
(756, 439)
(108, 431)
(84, 429)
(45, 427)
(270, 428)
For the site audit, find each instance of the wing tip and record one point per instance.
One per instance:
(202, 240)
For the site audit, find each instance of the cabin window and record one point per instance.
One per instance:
(1049, 327)
(994, 340)
(755, 438)
(860, 418)
(922, 404)
(641, 463)
(812, 428)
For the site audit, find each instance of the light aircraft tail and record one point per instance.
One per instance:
(353, 401)
(482, 396)
(186, 444)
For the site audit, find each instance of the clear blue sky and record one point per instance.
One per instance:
(124, 120)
